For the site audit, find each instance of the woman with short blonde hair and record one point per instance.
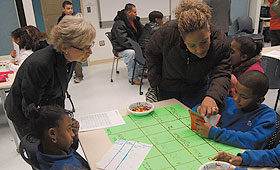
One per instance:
(79, 33)
(43, 77)
(188, 59)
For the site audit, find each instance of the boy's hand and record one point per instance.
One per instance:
(203, 128)
(208, 107)
(226, 157)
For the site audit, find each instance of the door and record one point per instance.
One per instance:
(51, 10)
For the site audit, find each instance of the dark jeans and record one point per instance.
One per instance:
(275, 37)
(190, 99)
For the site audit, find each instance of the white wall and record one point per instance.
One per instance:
(29, 12)
(99, 52)
(254, 13)
(105, 52)
(174, 4)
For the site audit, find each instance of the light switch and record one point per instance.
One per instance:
(88, 9)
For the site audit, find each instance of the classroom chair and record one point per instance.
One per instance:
(27, 150)
(271, 67)
(139, 59)
(275, 138)
(116, 56)
(245, 28)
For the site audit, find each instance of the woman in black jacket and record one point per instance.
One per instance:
(43, 77)
(185, 54)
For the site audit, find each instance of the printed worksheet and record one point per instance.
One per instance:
(124, 155)
(100, 120)
(274, 54)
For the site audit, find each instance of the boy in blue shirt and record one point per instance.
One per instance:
(260, 158)
(245, 122)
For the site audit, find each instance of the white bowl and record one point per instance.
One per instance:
(216, 165)
(139, 104)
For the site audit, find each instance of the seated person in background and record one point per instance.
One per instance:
(245, 56)
(28, 39)
(127, 25)
(259, 158)
(244, 122)
(156, 20)
(57, 132)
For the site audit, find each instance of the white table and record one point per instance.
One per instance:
(3, 86)
(96, 143)
(268, 49)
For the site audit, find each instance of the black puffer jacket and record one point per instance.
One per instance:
(122, 30)
(172, 67)
(148, 31)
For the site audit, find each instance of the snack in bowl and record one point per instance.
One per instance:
(216, 165)
(141, 108)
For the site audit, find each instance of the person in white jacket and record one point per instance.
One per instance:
(28, 39)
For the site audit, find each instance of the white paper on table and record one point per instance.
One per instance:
(124, 155)
(213, 119)
(274, 54)
(100, 120)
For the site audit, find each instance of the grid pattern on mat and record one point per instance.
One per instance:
(175, 145)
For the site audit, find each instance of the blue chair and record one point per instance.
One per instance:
(27, 150)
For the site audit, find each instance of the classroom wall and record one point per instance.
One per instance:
(99, 52)
(254, 13)
(90, 11)
(8, 22)
(38, 15)
(29, 14)
(238, 8)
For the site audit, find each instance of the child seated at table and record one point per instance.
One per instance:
(245, 56)
(28, 39)
(256, 158)
(244, 122)
(57, 132)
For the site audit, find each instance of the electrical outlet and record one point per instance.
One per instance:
(101, 43)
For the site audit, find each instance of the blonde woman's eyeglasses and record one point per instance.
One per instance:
(84, 49)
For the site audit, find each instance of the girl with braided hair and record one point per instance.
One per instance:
(245, 56)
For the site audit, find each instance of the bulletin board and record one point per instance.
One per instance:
(175, 145)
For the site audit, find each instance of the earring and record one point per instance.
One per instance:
(53, 140)
(66, 52)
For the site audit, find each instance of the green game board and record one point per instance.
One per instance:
(175, 145)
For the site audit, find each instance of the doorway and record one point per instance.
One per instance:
(51, 11)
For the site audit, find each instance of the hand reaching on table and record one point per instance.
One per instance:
(226, 157)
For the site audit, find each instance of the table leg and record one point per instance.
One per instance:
(11, 125)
